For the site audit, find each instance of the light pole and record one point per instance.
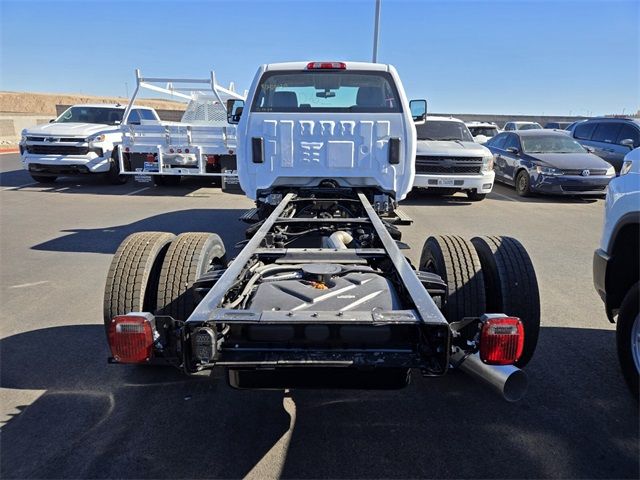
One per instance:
(376, 31)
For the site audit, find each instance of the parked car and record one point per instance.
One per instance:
(81, 141)
(513, 126)
(616, 271)
(449, 161)
(557, 125)
(482, 131)
(547, 161)
(572, 125)
(610, 138)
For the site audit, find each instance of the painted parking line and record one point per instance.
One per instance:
(137, 191)
(20, 186)
(33, 284)
(8, 152)
(506, 197)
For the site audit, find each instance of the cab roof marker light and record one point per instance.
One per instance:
(326, 66)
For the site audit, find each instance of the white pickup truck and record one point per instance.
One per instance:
(81, 141)
(321, 294)
(202, 143)
(449, 161)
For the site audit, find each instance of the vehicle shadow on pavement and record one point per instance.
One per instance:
(115, 421)
(224, 222)
(97, 420)
(503, 191)
(577, 421)
(423, 197)
(96, 184)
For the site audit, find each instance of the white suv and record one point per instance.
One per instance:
(616, 264)
(483, 131)
(80, 141)
(449, 161)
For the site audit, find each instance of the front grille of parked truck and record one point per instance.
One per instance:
(62, 150)
(448, 165)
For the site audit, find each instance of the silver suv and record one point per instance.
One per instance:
(610, 138)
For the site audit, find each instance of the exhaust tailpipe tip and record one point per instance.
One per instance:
(507, 380)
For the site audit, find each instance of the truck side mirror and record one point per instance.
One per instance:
(418, 110)
(234, 110)
(52, 120)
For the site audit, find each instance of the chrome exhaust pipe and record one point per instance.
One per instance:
(339, 240)
(507, 380)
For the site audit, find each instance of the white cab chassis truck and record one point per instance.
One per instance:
(83, 140)
(321, 294)
(448, 160)
(201, 144)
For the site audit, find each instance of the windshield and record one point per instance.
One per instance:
(529, 126)
(106, 116)
(550, 144)
(443, 130)
(326, 91)
(486, 131)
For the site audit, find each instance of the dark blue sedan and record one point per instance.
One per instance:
(547, 161)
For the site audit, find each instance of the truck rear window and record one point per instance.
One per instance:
(323, 91)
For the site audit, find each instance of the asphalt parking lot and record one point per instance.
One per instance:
(67, 413)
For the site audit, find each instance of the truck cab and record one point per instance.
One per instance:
(310, 123)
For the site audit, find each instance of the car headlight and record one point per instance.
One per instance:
(626, 167)
(612, 171)
(97, 138)
(548, 170)
(487, 164)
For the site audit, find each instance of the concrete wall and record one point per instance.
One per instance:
(167, 115)
(12, 124)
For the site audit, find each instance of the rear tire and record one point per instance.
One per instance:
(44, 178)
(628, 331)
(132, 281)
(456, 261)
(167, 180)
(523, 183)
(511, 285)
(113, 175)
(188, 258)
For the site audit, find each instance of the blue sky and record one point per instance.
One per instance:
(515, 57)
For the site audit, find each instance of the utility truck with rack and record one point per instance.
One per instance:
(201, 144)
(321, 294)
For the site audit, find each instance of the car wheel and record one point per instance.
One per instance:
(113, 175)
(523, 183)
(44, 178)
(628, 337)
(474, 196)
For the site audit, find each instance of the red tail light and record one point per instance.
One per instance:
(211, 159)
(150, 157)
(501, 340)
(326, 66)
(131, 338)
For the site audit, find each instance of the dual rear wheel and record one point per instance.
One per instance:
(155, 272)
(486, 275)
